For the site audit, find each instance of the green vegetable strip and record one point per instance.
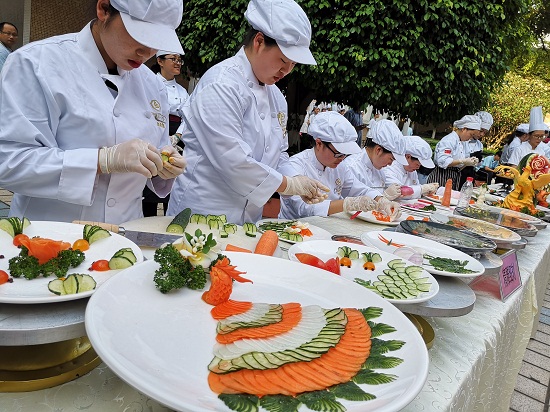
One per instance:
(448, 264)
(277, 226)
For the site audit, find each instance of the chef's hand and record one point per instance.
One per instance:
(362, 203)
(470, 161)
(392, 192)
(389, 208)
(175, 165)
(132, 156)
(429, 188)
(310, 190)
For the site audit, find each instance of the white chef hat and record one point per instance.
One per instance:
(470, 121)
(523, 128)
(486, 120)
(386, 134)
(286, 23)
(536, 120)
(164, 53)
(152, 23)
(420, 149)
(334, 128)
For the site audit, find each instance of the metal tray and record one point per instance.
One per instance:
(495, 216)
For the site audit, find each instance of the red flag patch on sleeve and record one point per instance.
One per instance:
(448, 151)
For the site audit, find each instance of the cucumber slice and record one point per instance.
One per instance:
(13, 225)
(180, 222)
(85, 283)
(230, 228)
(223, 234)
(56, 286)
(93, 233)
(223, 218)
(354, 254)
(6, 226)
(70, 284)
(126, 253)
(250, 229)
(214, 224)
(26, 222)
(376, 258)
(119, 263)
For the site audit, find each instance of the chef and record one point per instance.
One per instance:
(537, 133)
(474, 146)
(418, 153)
(82, 119)
(384, 145)
(449, 156)
(335, 139)
(235, 135)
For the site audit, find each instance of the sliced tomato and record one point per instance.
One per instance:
(19, 238)
(100, 265)
(311, 260)
(333, 265)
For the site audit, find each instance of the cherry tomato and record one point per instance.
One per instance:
(81, 244)
(333, 265)
(4, 277)
(100, 265)
(17, 239)
(311, 260)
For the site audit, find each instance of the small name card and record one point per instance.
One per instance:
(509, 278)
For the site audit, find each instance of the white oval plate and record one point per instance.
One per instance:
(429, 246)
(317, 232)
(437, 199)
(23, 291)
(480, 227)
(325, 250)
(163, 347)
(369, 217)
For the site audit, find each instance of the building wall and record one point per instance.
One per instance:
(53, 17)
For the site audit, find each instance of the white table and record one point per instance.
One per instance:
(474, 360)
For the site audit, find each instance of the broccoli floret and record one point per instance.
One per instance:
(28, 266)
(24, 265)
(175, 272)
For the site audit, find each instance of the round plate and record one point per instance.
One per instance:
(369, 217)
(325, 250)
(317, 232)
(163, 348)
(25, 291)
(489, 230)
(429, 246)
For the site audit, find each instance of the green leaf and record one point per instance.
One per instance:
(370, 377)
(241, 402)
(371, 312)
(351, 392)
(280, 403)
(378, 329)
(324, 401)
(381, 362)
(380, 346)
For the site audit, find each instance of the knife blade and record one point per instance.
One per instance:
(142, 239)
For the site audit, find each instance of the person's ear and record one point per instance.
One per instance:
(102, 10)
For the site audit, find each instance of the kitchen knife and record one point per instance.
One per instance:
(142, 239)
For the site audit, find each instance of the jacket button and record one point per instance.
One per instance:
(148, 115)
(116, 113)
(250, 84)
(274, 115)
(266, 149)
(111, 202)
(262, 116)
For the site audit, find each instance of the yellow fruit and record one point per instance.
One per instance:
(164, 157)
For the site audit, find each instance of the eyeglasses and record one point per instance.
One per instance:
(336, 154)
(9, 34)
(175, 60)
(538, 136)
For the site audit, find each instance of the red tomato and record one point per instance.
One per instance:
(4, 277)
(81, 244)
(17, 239)
(311, 260)
(333, 265)
(100, 265)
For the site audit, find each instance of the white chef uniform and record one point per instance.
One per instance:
(363, 169)
(449, 148)
(505, 158)
(472, 146)
(232, 165)
(340, 180)
(396, 173)
(53, 122)
(524, 149)
(177, 95)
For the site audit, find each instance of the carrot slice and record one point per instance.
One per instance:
(446, 200)
(232, 248)
(230, 308)
(292, 314)
(44, 249)
(268, 243)
(338, 365)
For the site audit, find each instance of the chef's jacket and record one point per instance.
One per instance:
(396, 173)
(509, 149)
(449, 148)
(362, 168)
(177, 95)
(235, 140)
(340, 180)
(524, 149)
(56, 112)
(472, 146)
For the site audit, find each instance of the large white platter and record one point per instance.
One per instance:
(325, 249)
(428, 246)
(317, 233)
(25, 291)
(163, 347)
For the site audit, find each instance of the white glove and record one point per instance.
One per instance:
(362, 203)
(311, 191)
(389, 208)
(132, 156)
(429, 188)
(174, 166)
(393, 191)
(470, 161)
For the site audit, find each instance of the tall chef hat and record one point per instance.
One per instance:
(536, 120)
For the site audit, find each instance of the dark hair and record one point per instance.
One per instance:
(155, 67)
(370, 144)
(249, 37)
(498, 153)
(7, 22)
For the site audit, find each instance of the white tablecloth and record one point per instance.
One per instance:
(474, 360)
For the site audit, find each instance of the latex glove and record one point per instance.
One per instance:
(134, 155)
(389, 208)
(429, 188)
(174, 166)
(470, 161)
(362, 203)
(310, 190)
(393, 191)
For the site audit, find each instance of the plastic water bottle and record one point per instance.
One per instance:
(466, 192)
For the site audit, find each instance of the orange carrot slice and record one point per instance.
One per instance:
(338, 365)
(292, 314)
(268, 243)
(44, 249)
(232, 248)
(446, 200)
(230, 308)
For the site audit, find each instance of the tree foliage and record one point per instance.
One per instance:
(432, 60)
